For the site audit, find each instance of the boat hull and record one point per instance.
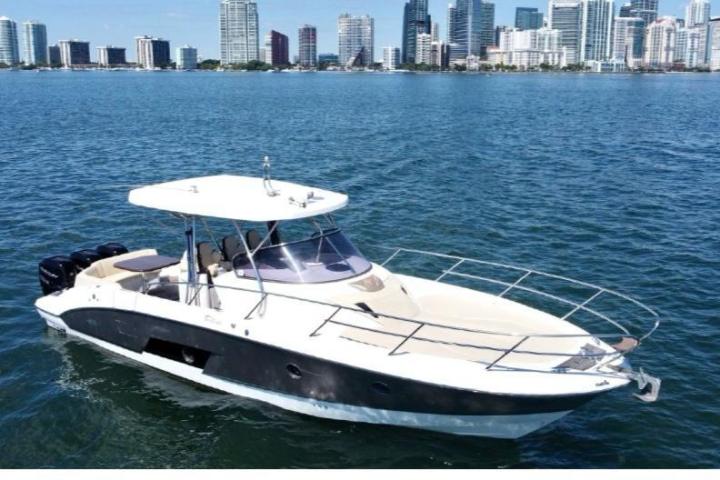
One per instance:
(309, 385)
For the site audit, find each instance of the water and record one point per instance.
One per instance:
(612, 179)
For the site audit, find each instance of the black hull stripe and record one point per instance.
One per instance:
(267, 367)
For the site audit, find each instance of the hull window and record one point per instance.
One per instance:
(180, 353)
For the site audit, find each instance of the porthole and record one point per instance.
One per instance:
(294, 371)
(380, 388)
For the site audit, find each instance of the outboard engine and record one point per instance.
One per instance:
(84, 258)
(111, 250)
(56, 274)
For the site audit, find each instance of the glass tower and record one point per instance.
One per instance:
(9, 54)
(35, 43)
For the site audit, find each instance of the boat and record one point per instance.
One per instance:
(272, 301)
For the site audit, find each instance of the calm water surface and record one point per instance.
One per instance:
(612, 179)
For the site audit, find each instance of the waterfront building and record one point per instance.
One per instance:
(423, 51)
(330, 59)
(108, 56)
(645, 9)
(277, 49)
(697, 13)
(9, 50)
(307, 46)
(625, 11)
(567, 17)
(527, 18)
(239, 32)
(435, 32)
(487, 28)
(152, 52)
(186, 58)
(356, 40)
(35, 43)
(596, 30)
(471, 30)
(714, 43)
(629, 40)
(74, 53)
(53, 55)
(416, 21)
(660, 38)
(391, 58)
(688, 43)
(451, 16)
(528, 49)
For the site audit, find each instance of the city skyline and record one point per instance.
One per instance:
(196, 22)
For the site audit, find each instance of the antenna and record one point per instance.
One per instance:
(267, 181)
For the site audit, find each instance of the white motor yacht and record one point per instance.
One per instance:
(282, 308)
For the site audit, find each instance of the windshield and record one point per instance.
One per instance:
(326, 257)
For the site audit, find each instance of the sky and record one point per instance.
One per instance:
(195, 22)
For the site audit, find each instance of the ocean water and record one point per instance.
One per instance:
(610, 179)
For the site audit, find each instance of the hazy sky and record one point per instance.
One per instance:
(195, 22)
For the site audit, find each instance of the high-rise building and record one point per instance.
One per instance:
(391, 58)
(423, 51)
(645, 9)
(527, 49)
(660, 38)
(416, 21)
(697, 13)
(714, 43)
(625, 10)
(9, 54)
(356, 40)
(687, 46)
(307, 46)
(239, 32)
(596, 32)
(629, 40)
(186, 58)
(487, 27)
(527, 18)
(277, 49)
(109, 56)
(152, 52)
(54, 57)
(566, 16)
(35, 43)
(74, 53)
(473, 28)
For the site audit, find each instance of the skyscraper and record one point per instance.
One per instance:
(307, 46)
(472, 28)
(54, 57)
(626, 11)
(566, 16)
(645, 9)
(152, 52)
(660, 40)
(527, 18)
(714, 43)
(9, 54)
(415, 21)
(423, 51)
(186, 58)
(391, 58)
(596, 32)
(697, 13)
(109, 55)
(277, 49)
(35, 43)
(74, 53)
(629, 40)
(487, 27)
(356, 40)
(239, 34)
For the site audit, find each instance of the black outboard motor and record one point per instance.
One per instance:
(84, 258)
(56, 274)
(111, 250)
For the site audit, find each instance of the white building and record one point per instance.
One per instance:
(423, 49)
(714, 43)
(567, 17)
(527, 49)
(9, 54)
(391, 58)
(697, 13)
(36, 46)
(186, 58)
(688, 43)
(356, 40)
(596, 30)
(239, 32)
(629, 41)
(660, 38)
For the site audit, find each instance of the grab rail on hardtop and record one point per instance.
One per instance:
(525, 274)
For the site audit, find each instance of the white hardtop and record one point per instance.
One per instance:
(238, 198)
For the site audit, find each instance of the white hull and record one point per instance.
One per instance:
(496, 426)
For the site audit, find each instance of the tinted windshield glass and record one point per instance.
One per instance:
(325, 258)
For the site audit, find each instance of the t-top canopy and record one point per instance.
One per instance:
(238, 198)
